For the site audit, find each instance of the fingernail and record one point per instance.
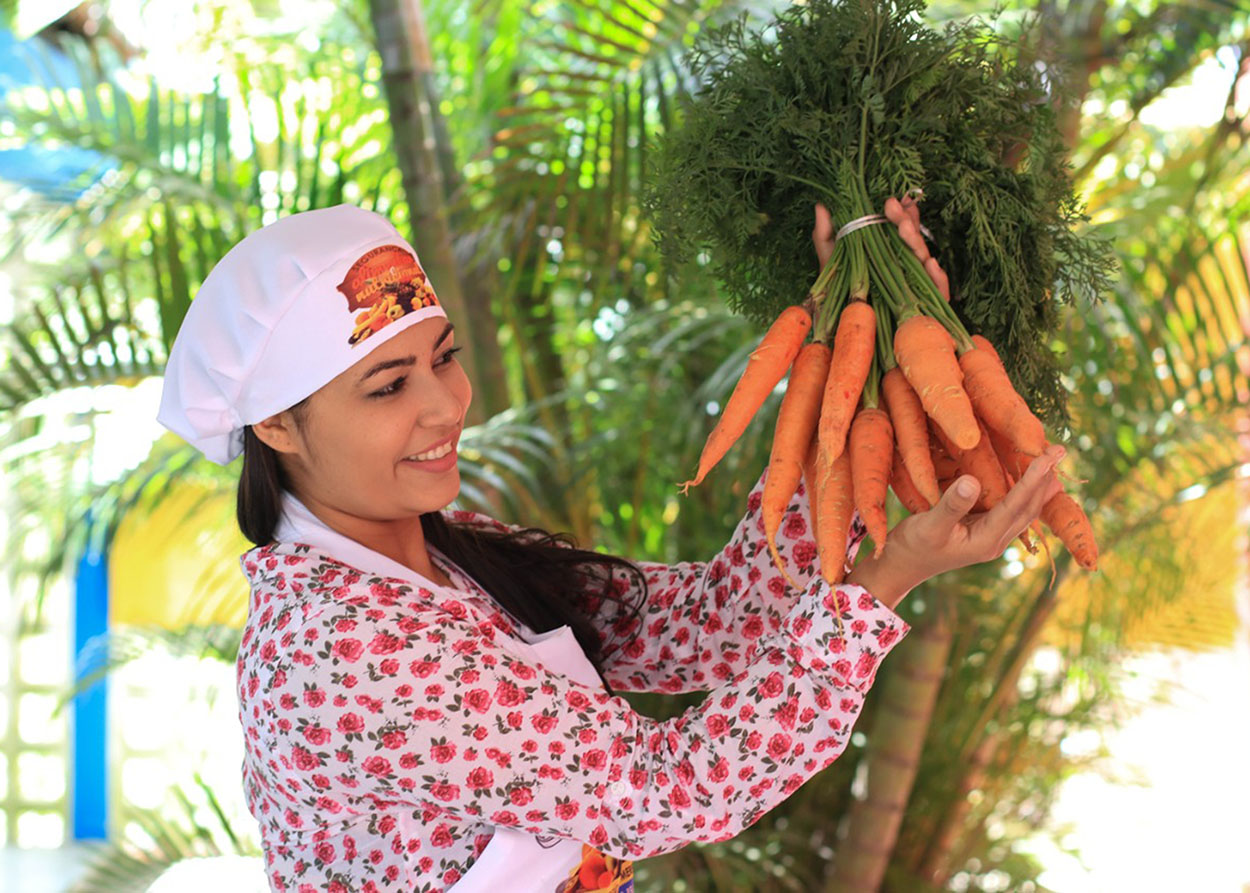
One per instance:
(966, 488)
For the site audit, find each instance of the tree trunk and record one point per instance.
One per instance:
(935, 865)
(412, 97)
(1086, 45)
(898, 737)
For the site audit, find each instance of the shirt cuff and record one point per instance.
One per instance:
(850, 655)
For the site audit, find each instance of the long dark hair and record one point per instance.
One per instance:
(529, 574)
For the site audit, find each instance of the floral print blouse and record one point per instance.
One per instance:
(388, 727)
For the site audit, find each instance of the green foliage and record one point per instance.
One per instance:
(202, 832)
(836, 98)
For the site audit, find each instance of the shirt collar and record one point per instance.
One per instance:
(298, 524)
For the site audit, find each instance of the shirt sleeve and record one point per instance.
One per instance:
(702, 621)
(392, 699)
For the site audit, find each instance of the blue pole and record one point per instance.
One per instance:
(89, 752)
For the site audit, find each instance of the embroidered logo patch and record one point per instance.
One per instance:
(384, 284)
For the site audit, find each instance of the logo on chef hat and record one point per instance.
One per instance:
(384, 285)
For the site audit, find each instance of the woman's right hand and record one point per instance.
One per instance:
(946, 537)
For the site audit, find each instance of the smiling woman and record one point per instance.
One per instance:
(426, 694)
(318, 350)
(411, 396)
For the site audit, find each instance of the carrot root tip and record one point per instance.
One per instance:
(1064, 476)
(772, 548)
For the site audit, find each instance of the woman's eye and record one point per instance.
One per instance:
(397, 385)
(391, 388)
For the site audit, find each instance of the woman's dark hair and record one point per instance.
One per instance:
(528, 572)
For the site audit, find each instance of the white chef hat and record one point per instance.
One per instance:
(290, 307)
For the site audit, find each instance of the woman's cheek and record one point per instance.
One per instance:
(464, 389)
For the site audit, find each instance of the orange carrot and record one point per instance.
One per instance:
(911, 432)
(835, 508)
(996, 401)
(982, 463)
(1063, 516)
(1068, 521)
(1013, 459)
(944, 465)
(767, 365)
(983, 458)
(926, 353)
(796, 423)
(809, 480)
(999, 444)
(985, 344)
(853, 347)
(905, 490)
(872, 454)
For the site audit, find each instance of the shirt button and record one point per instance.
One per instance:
(618, 788)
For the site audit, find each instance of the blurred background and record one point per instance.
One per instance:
(1080, 733)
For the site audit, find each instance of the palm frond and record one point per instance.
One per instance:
(199, 844)
(108, 652)
(83, 328)
(190, 174)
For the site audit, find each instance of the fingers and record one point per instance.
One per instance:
(824, 225)
(1023, 502)
(822, 234)
(1035, 487)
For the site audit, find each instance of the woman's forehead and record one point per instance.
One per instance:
(415, 341)
(424, 335)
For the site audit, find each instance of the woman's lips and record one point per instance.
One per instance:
(442, 463)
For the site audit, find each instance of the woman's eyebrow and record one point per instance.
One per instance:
(402, 361)
(388, 364)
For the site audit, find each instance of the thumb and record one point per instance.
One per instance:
(957, 501)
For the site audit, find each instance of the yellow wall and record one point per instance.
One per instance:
(178, 564)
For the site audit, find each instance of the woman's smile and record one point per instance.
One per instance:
(441, 458)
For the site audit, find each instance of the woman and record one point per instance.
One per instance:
(427, 695)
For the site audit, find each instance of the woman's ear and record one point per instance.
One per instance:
(278, 432)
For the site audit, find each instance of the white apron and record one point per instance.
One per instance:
(547, 864)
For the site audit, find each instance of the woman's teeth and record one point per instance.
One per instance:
(435, 453)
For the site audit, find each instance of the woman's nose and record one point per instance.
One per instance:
(440, 406)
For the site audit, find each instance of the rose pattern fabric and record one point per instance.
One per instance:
(388, 727)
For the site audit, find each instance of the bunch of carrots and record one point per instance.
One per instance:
(890, 392)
